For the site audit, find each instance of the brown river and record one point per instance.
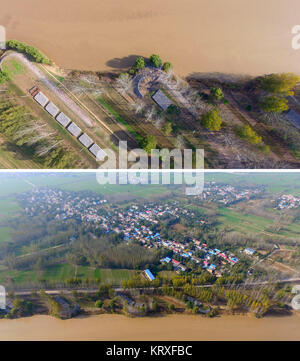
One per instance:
(174, 327)
(238, 36)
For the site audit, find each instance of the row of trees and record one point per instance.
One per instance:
(17, 126)
(28, 50)
(278, 86)
(154, 60)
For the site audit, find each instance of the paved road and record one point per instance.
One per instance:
(27, 292)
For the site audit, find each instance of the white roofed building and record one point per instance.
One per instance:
(41, 99)
(74, 129)
(63, 119)
(97, 151)
(85, 140)
(52, 109)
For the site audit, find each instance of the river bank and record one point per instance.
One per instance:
(172, 327)
(246, 37)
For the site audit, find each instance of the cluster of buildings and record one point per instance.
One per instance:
(66, 122)
(287, 201)
(211, 259)
(228, 194)
(62, 205)
(137, 222)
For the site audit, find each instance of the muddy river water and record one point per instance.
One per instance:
(238, 36)
(173, 327)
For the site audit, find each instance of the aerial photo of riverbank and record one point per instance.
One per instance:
(74, 83)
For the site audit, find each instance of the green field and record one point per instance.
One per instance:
(13, 67)
(275, 182)
(8, 208)
(5, 234)
(114, 276)
(248, 223)
(62, 272)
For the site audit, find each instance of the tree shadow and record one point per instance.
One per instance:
(119, 135)
(122, 63)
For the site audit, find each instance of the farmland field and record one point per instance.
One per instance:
(248, 223)
(4, 234)
(62, 272)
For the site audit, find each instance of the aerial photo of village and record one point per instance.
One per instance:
(71, 247)
(149, 173)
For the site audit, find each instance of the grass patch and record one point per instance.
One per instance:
(113, 276)
(120, 119)
(5, 233)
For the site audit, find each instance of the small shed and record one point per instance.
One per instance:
(97, 151)
(74, 129)
(161, 100)
(63, 119)
(149, 274)
(293, 117)
(41, 99)
(52, 109)
(85, 140)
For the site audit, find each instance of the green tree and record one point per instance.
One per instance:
(171, 307)
(28, 50)
(195, 309)
(212, 120)
(155, 60)
(282, 83)
(149, 143)
(217, 93)
(167, 66)
(274, 104)
(3, 76)
(249, 134)
(139, 63)
(125, 307)
(189, 305)
(167, 128)
(99, 304)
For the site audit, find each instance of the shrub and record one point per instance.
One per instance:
(149, 143)
(155, 60)
(249, 134)
(3, 76)
(167, 128)
(280, 83)
(99, 303)
(212, 120)
(173, 109)
(217, 93)
(139, 63)
(167, 66)
(274, 104)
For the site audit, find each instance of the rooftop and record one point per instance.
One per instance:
(63, 119)
(149, 275)
(52, 109)
(161, 99)
(85, 140)
(41, 99)
(97, 151)
(294, 118)
(74, 129)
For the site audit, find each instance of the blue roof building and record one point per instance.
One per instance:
(149, 275)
